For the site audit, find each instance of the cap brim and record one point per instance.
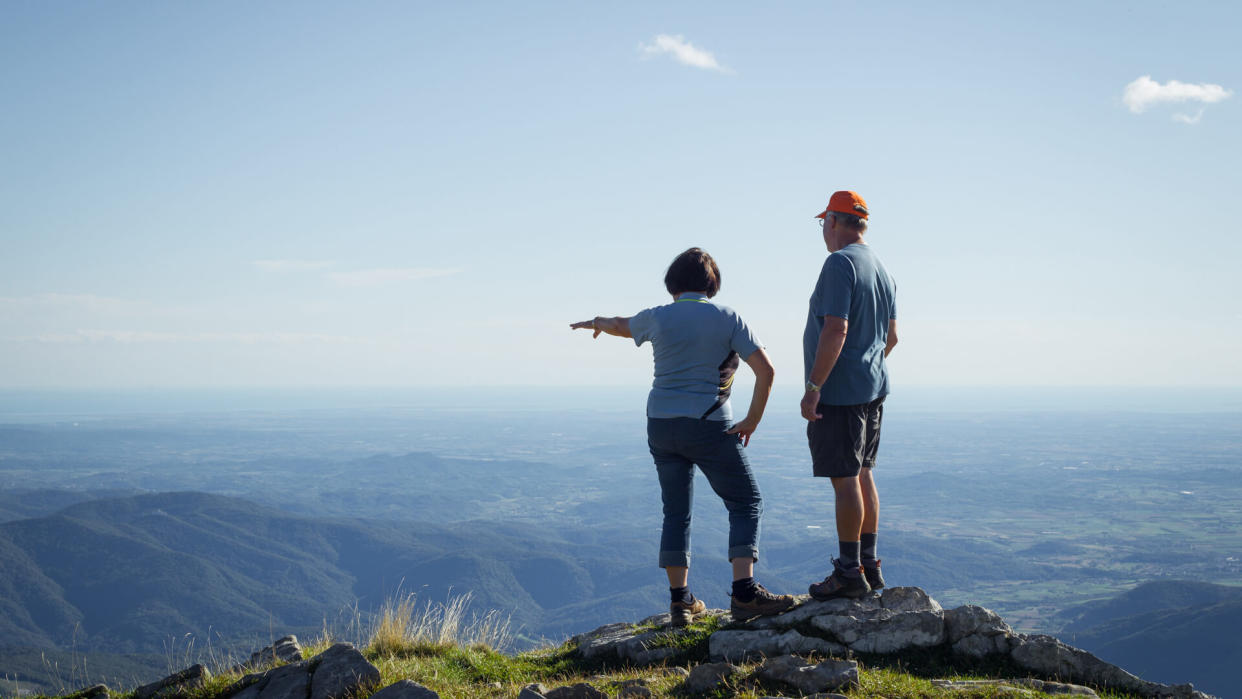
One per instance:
(823, 214)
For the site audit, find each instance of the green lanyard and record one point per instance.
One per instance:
(692, 301)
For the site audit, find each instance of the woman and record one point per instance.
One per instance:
(698, 347)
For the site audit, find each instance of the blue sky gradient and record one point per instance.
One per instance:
(405, 194)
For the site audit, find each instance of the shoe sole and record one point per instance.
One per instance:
(739, 615)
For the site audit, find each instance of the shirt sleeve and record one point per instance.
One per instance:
(743, 340)
(642, 326)
(835, 289)
(892, 309)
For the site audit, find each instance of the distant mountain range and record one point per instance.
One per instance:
(1167, 631)
(137, 574)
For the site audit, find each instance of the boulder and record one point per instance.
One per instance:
(808, 678)
(971, 619)
(806, 608)
(405, 689)
(908, 599)
(1052, 658)
(740, 645)
(637, 644)
(287, 682)
(708, 677)
(883, 630)
(284, 650)
(341, 670)
(189, 678)
(96, 691)
(533, 690)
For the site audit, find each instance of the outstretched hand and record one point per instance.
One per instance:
(587, 325)
(744, 430)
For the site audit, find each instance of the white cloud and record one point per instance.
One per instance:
(1144, 92)
(1187, 119)
(386, 275)
(682, 51)
(291, 265)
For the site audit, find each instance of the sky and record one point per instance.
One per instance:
(406, 194)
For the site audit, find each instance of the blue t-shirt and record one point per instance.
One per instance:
(853, 285)
(697, 347)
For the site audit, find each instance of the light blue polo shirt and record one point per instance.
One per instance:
(697, 346)
(853, 285)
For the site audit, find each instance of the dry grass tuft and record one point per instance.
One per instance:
(403, 625)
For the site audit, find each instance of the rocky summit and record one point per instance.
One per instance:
(896, 621)
(815, 649)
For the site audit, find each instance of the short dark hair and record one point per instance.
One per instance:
(693, 270)
(850, 221)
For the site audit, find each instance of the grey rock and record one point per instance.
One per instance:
(189, 678)
(740, 645)
(979, 645)
(285, 650)
(908, 599)
(1024, 685)
(405, 689)
(883, 630)
(970, 620)
(534, 690)
(637, 644)
(807, 678)
(287, 682)
(677, 670)
(707, 677)
(806, 608)
(1052, 658)
(582, 690)
(341, 670)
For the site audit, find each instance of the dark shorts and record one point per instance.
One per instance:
(845, 439)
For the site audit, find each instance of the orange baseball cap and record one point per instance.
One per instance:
(847, 202)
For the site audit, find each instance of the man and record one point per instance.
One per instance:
(851, 328)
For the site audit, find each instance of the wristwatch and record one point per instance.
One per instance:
(812, 387)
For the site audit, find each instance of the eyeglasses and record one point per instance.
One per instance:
(819, 222)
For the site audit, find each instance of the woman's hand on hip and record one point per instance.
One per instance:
(744, 430)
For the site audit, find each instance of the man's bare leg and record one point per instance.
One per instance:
(850, 507)
(871, 502)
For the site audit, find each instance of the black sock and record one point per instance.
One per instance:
(680, 594)
(867, 555)
(744, 589)
(848, 562)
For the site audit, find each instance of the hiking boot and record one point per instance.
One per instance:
(682, 613)
(764, 603)
(838, 584)
(873, 576)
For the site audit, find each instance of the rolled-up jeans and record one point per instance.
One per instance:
(678, 444)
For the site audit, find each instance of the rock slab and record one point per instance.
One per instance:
(339, 670)
(188, 678)
(807, 678)
(709, 676)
